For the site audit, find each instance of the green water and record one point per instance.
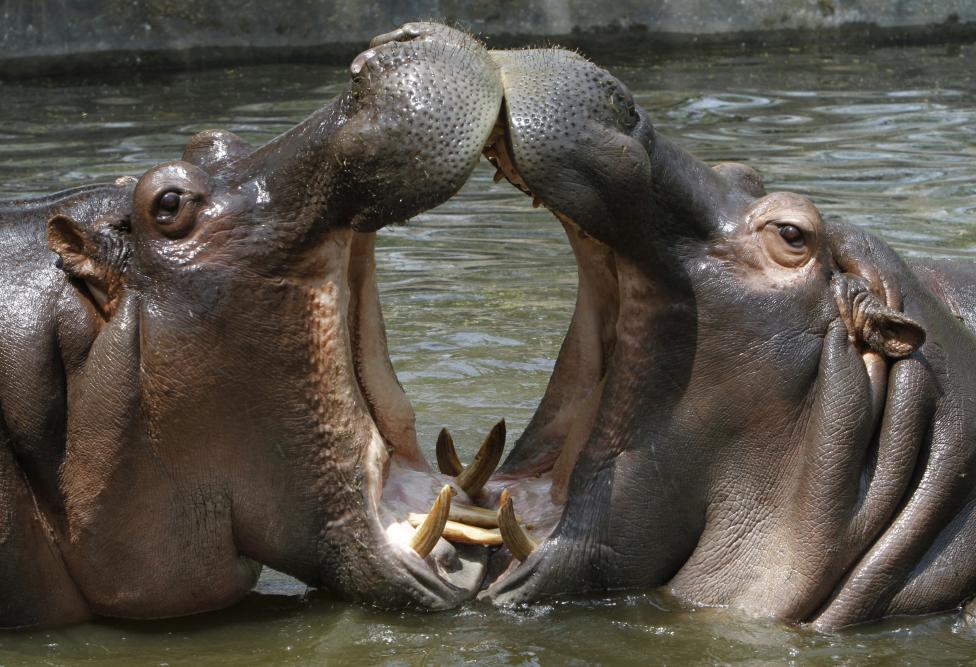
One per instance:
(477, 296)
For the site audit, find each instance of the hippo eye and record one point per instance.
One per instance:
(792, 234)
(788, 228)
(167, 205)
(175, 213)
(168, 198)
(789, 244)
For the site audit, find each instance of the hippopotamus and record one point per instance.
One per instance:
(193, 369)
(753, 407)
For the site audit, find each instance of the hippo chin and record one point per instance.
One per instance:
(752, 407)
(195, 380)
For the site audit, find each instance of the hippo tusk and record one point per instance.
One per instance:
(514, 536)
(472, 478)
(472, 516)
(456, 531)
(478, 517)
(430, 530)
(447, 459)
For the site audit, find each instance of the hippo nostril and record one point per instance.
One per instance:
(404, 33)
(360, 61)
(394, 36)
(412, 30)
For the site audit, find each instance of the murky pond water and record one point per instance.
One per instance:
(478, 294)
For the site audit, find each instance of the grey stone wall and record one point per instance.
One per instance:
(52, 33)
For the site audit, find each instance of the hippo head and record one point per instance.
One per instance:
(235, 403)
(712, 420)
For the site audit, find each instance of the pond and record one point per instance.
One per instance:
(478, 294)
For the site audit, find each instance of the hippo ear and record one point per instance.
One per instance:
(741, 176)
(872, 323)
(90, 256)
(891, 333)
(211, 150)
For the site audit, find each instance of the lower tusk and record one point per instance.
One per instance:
(474, 516)
(432, 528)
(498, 176)
(515, 537)
(536, 202)
(472, 478)
(462, 533)
(447, 459)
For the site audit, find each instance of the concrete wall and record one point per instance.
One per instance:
(41, 33)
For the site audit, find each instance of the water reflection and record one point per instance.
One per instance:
(477, 295)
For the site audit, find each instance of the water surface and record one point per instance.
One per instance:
(477, 295)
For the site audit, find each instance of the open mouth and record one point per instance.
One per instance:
(462, 528)
(532, 487)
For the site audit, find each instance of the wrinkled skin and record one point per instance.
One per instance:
(752, 407)
(195, 380)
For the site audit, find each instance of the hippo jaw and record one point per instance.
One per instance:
(407, 504)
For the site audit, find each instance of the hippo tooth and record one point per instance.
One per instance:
(447, 459)
(515, 537)
(472, 478)
(474, 516)
(457, 531)
(536, 202)
(466, 514)
(430, 530)
(498, 175)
